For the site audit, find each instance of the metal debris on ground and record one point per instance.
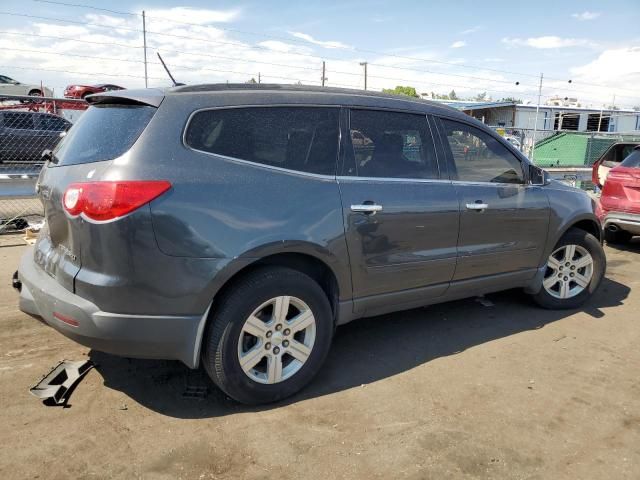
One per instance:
(55, 387)
(484, 302)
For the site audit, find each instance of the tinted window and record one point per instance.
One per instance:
(633, 160)
(297, 138)
(103, 132)
(478, 157)
(21, 121)
(391, 145)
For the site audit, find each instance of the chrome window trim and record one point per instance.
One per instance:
(262, 165)
(346, 178)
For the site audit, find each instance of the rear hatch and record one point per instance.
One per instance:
(622, 189)
(105, 132)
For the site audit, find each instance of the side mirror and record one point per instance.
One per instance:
(538, 176)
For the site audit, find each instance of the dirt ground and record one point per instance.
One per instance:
(460, 390)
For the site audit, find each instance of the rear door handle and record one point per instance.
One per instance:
(477, 206)
(367, 208)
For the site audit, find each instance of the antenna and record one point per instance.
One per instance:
(175, 84)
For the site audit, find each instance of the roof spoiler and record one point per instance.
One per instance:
(147, 96)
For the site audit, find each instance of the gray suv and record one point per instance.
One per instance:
(236, 226)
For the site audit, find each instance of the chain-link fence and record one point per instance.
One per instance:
(28, 127)
(567, 154)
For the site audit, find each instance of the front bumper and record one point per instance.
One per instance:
(629, 222)
(139, 336)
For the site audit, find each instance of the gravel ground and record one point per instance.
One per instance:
(460, 390)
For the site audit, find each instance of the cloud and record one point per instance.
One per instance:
(586, 15)
(458, 44)
(325, 44)
(471, 30)
(546, 42)
(203, 52)
(200, 16)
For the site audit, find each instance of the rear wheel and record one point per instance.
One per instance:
(574, 271)
(618, 236)
(269, 335)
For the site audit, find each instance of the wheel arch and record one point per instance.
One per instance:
(320, 267)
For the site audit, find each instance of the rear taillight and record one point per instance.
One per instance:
(103, 201)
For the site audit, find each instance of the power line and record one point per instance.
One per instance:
(307, 42)
(241, 45)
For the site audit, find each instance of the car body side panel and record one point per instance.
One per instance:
(568, 207)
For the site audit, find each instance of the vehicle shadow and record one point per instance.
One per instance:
(363, 351)
(631, 246)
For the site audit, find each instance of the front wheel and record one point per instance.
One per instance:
(269, 335)
(574, 271)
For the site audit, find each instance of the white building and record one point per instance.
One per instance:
(550, 117)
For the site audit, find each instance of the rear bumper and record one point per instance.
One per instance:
(139, 336)
(629, 222)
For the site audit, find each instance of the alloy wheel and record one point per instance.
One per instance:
(569, 271)
(276, 340)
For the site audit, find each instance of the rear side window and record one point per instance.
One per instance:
(103, 132)
(479, 157)
(633, 160)
(391, 145)
(297, 138)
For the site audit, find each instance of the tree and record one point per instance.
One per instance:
(453, 96)
(481, 97)
(400, 90)
(253, 80)
(636, 108)
(510, 99)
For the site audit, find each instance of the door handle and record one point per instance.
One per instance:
(477, 206)
(367, 208)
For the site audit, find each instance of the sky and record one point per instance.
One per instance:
(468, 46)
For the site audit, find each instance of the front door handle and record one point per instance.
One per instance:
(367, 208)
(477, 206)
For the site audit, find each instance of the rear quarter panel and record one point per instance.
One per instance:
(230, 210)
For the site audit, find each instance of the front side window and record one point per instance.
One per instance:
(391, 145)
(297, 138)
(479, 157)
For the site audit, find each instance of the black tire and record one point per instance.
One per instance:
(220, 342)
(617, 237)
(584, 239)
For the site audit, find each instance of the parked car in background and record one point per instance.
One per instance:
(81, 91)
(237, 225)
(620, 200)
(25, 135)
(9, 86)
(611, 158)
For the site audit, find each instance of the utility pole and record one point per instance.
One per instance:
(259, 78)
(364, 64)
(324, 78)
(144, 40)
(535, 124)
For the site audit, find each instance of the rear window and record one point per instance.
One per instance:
(103, 132)
(297, 138)
(633, 160)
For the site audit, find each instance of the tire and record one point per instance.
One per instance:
(582, 242)
(226, 338)
(617, 237)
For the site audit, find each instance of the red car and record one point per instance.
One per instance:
(81, 91)
(612, 157)
(619, 209)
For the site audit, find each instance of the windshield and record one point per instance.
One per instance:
(633, 160)
(104, 132)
